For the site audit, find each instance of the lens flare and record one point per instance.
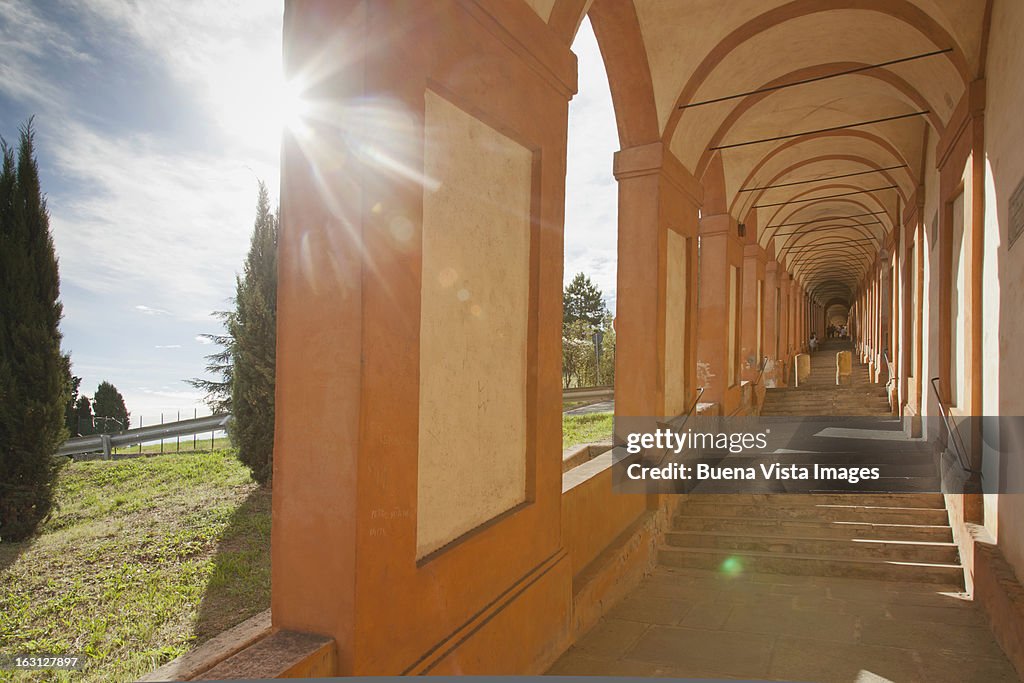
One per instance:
(732, 566)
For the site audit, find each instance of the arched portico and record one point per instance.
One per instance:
(422, 520)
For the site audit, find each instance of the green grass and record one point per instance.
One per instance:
(580, 429)
(170, 445)
(142, 560)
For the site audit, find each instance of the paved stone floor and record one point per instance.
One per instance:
(691, 623)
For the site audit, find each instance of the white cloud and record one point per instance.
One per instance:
(194, 396)
(175, 227)
(591, 209)
(27, 40)
(167, 346)
(227, 52)
(151, 311)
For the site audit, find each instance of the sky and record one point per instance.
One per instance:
(154, 121)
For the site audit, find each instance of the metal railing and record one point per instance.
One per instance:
(953, 432)
(760, 370)
(588, 393)
(677, 423)
(130, 437)
(890, 368)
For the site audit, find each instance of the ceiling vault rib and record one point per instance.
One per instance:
(816, 180)
(822, 130)
(811, 231)
(844, 72)
(827, 196)
(826, 218)
(826, 245)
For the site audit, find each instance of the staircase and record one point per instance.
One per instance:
(819, 395)
(895, 537)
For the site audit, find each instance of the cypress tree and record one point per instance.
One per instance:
(71, 408)
(109, 410)
(34, 374)
(83, 417)
(252, 328)
(219, 363)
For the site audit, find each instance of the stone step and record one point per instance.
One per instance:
(937, 533)
(823, 396)
(934, 501)
(827, 513)
(903, 454)
(820, 412)
(809, 565)
(859, 548)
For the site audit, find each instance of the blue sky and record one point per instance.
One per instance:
(153, 122)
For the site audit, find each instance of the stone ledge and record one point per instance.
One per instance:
(620, 567)
(574, 456)
(1000, 594)
(282, 654)
(214, 651)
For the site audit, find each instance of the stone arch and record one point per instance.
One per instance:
(915, 18)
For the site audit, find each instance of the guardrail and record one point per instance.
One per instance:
(588, 393)
(170, 430)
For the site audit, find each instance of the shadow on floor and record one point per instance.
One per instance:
(239, 585)
(692, 623)
(10, 552)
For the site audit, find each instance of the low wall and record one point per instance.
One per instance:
(593, 516)
(610, 543)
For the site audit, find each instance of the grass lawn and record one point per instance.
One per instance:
(591, 428)
(201, 443)
(143, 559)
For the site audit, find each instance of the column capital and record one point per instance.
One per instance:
(755, 251)
(720, 224)
(656, 158)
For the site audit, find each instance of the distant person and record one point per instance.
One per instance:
(814, 341)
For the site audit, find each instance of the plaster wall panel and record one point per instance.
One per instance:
(676, 293)
(473, 325)
(1003, 295)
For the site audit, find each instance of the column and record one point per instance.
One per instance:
(719, 317)
(404, 355)
(655, 355)
(785, 340)
(753, 347)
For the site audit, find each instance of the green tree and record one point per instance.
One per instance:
(583, 314)
(253, 330)
(83, 417)
(244, 368)
(70, 415)
(111, 414)
(582, 300)
(218, 390)
(34, 374)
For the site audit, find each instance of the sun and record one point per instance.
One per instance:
(294, 108)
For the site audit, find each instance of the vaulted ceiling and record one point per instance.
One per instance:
(823, 165)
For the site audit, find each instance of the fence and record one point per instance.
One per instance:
(136, 438)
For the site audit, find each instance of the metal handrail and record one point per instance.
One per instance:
(890, 367)
(671, 424)
(953, 431)
(760, 371)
